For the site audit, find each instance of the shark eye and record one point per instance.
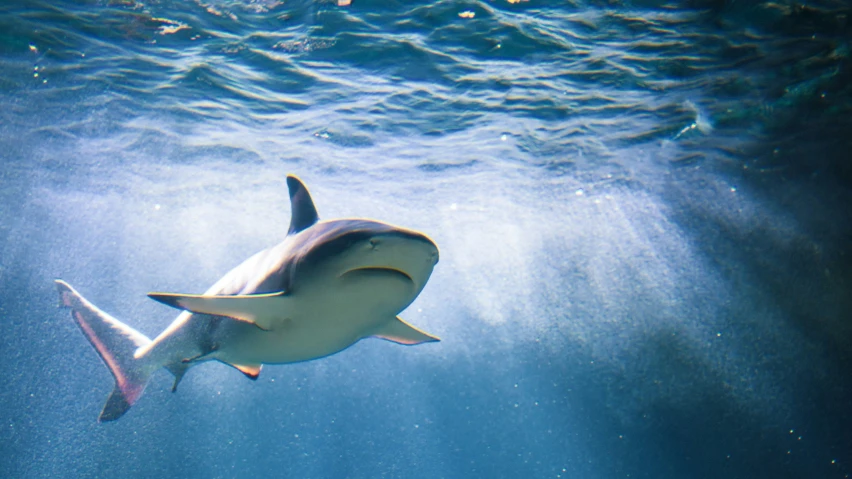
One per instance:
(374, 242)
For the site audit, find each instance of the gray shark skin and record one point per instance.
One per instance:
(328, 285)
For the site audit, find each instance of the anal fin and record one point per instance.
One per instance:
(178, 370)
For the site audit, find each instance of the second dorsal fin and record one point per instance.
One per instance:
(303, 213)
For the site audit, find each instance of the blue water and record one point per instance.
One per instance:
(642, 209)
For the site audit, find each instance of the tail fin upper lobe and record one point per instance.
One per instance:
(115, 342)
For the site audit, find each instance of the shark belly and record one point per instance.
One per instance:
(300, 340)
(323, 318)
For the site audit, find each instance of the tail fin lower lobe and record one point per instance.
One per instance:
(115, 342)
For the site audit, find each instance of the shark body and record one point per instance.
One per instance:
(328, 285)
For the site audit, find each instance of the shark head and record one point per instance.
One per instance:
(362, 249)
(354, 248)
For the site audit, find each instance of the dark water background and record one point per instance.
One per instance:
(643, 210)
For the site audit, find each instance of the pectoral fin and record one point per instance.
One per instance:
(262, 310)
(399, 331)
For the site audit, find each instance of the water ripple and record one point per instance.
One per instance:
(609, 77)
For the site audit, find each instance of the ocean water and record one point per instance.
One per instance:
(643, 210)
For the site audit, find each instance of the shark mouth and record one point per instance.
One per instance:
(380, 270)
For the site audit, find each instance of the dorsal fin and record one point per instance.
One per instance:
(303, 212)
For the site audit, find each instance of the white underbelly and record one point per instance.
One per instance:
(322, 320)
(296, 341)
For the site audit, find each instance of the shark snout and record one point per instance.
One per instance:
(431, 251)
(434, 255)
(414, 242)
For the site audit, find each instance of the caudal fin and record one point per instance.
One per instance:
(115, 342)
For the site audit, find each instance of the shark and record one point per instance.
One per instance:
(326, 286)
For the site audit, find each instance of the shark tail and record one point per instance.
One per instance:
(115, 343)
